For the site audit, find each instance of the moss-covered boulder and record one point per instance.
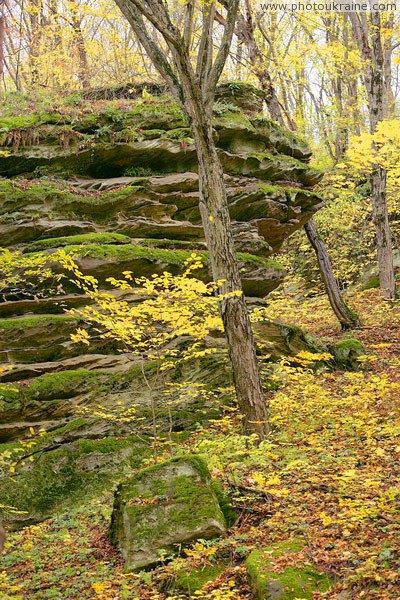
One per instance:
(163, 507)
(64, 474)
(299, 579)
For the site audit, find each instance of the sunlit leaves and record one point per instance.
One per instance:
(171, 306)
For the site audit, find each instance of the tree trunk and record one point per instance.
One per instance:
(346, 317)
(383, 234)
(224, 264)
(2, 31)
(195, 90)
(83, 69)
(369, 39)
(2, 537)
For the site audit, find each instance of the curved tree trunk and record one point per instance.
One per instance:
(346, 317)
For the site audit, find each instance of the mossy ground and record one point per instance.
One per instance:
(298, 580)
(327, 473)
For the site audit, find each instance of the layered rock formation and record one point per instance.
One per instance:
(117, 186)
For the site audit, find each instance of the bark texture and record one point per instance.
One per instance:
(2, 537)
(369, 38)
(346, 317)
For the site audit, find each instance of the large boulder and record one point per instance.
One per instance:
(163, 507)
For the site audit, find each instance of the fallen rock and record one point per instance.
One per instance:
(64, 474)
(298, 580)
(162, 507)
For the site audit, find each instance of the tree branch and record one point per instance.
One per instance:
(223, 52)
(155, 53)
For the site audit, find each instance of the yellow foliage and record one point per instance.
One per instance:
(173, 306)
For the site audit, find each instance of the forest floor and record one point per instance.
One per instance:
(328, 473)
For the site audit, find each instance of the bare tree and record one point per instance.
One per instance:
(194, 86)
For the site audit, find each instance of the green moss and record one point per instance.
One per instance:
(278, 133)
(268, 263)
(20, 122)
(23, 323)
(372, 283)
(346, 353)
(231, 119)
(9, 398)
(13, 196)
(195, 579)
(51, 386)
(83, 239)
(181, 133)
(150, 113)
(292, 583)
(197, 462)
(181, 499)
(168, 256)
(267, 188)
(123, 253)
(349, 344)
(63, 384)
(68, 475)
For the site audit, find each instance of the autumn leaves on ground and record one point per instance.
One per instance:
(328, 473)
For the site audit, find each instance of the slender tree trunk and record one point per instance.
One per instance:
(2, 31)
(377, 108)
(369, 39)
(383, 233)
(345, 316)
(2, 537)
(83, 70)
(218, 233)
(245, 34)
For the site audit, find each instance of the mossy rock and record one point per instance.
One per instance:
(347, 353)
(259, 275)
(83, 239)
(163, 507)
(371, 283)
(280, 339)
(190, 581)
(293, 583)
(66, 476)
(43, 338)
(35, 338)
(51, 396)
